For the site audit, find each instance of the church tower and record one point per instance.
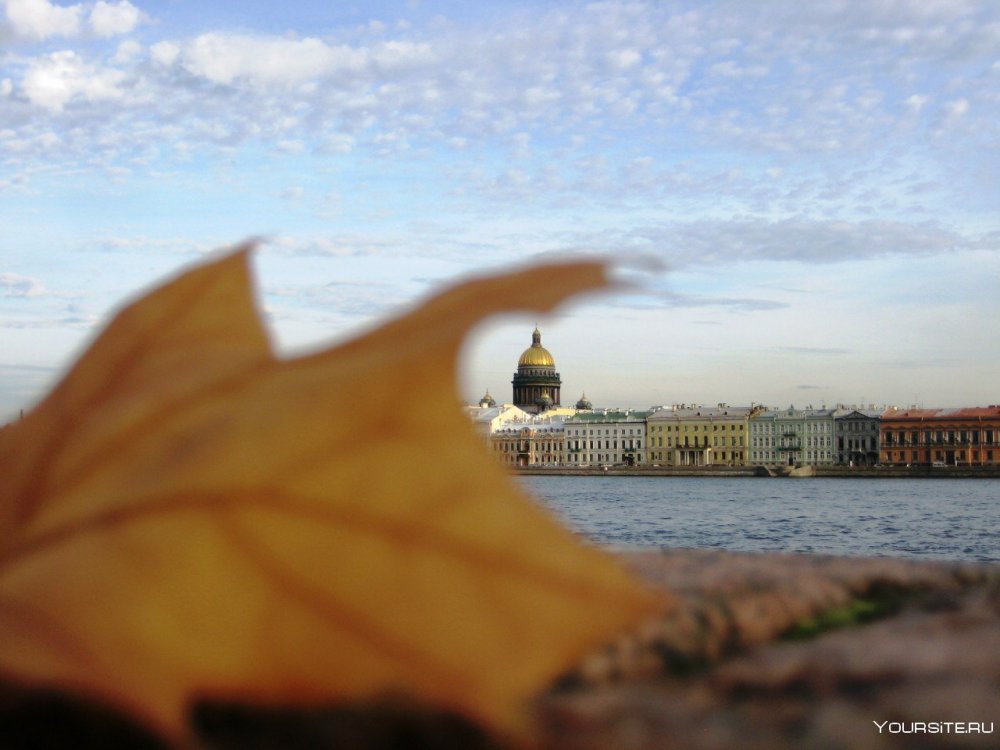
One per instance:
(536, 382)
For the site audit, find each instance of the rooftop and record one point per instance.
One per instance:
(967, 412)
(609, 415)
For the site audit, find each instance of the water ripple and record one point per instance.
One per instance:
(955, 519)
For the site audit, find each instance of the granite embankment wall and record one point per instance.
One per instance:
(791, 651)
(885, 472)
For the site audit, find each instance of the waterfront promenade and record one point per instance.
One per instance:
(867, 472)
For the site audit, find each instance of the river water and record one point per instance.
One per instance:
(954, 519)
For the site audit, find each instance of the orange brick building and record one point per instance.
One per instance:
(954, 437)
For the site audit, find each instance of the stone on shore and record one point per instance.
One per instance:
(756, 651)
(795, 651)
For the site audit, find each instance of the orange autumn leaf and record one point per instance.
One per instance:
(188, 517)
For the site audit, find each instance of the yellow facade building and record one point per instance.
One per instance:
(683, 435)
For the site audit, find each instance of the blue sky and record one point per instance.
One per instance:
(819, 179)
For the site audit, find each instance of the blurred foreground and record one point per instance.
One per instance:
(760, 651)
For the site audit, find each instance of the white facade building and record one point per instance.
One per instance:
(488, 419)
(605, 437)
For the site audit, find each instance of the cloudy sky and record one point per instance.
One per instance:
(820, 181)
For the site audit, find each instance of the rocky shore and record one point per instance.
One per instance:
(795, 651)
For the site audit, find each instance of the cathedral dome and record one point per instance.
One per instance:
(536, 355)
(536, 382)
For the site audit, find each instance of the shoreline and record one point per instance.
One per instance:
(828, 472)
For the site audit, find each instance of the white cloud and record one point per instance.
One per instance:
(716, 243)
(110, 20)
(224, 59)
(957, 108)
(55, 79)
(6, 87)
(624, 59)
(730, 69)
(40, 19)
(127, 52)
(164, 53)
(562, 84)
(15, 285)
(337, 143)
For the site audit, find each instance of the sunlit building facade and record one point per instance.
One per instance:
(533, 444)
(682, 435)
(949, 437)
(606, 437)
(488, 416)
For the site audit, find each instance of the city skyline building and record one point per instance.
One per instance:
(536, 430)
(682, 435)
(536, 385)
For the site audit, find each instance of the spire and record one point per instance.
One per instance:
(536, 337)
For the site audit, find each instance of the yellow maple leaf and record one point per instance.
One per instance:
(188, 517)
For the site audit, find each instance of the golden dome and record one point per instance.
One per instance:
(536, 355)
